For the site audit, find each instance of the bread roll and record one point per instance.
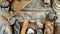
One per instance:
(4, 3)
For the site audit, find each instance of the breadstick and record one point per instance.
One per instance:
(24, 27)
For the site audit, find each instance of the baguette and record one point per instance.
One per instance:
(24, 27)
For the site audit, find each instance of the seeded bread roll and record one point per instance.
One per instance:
(4, 3)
